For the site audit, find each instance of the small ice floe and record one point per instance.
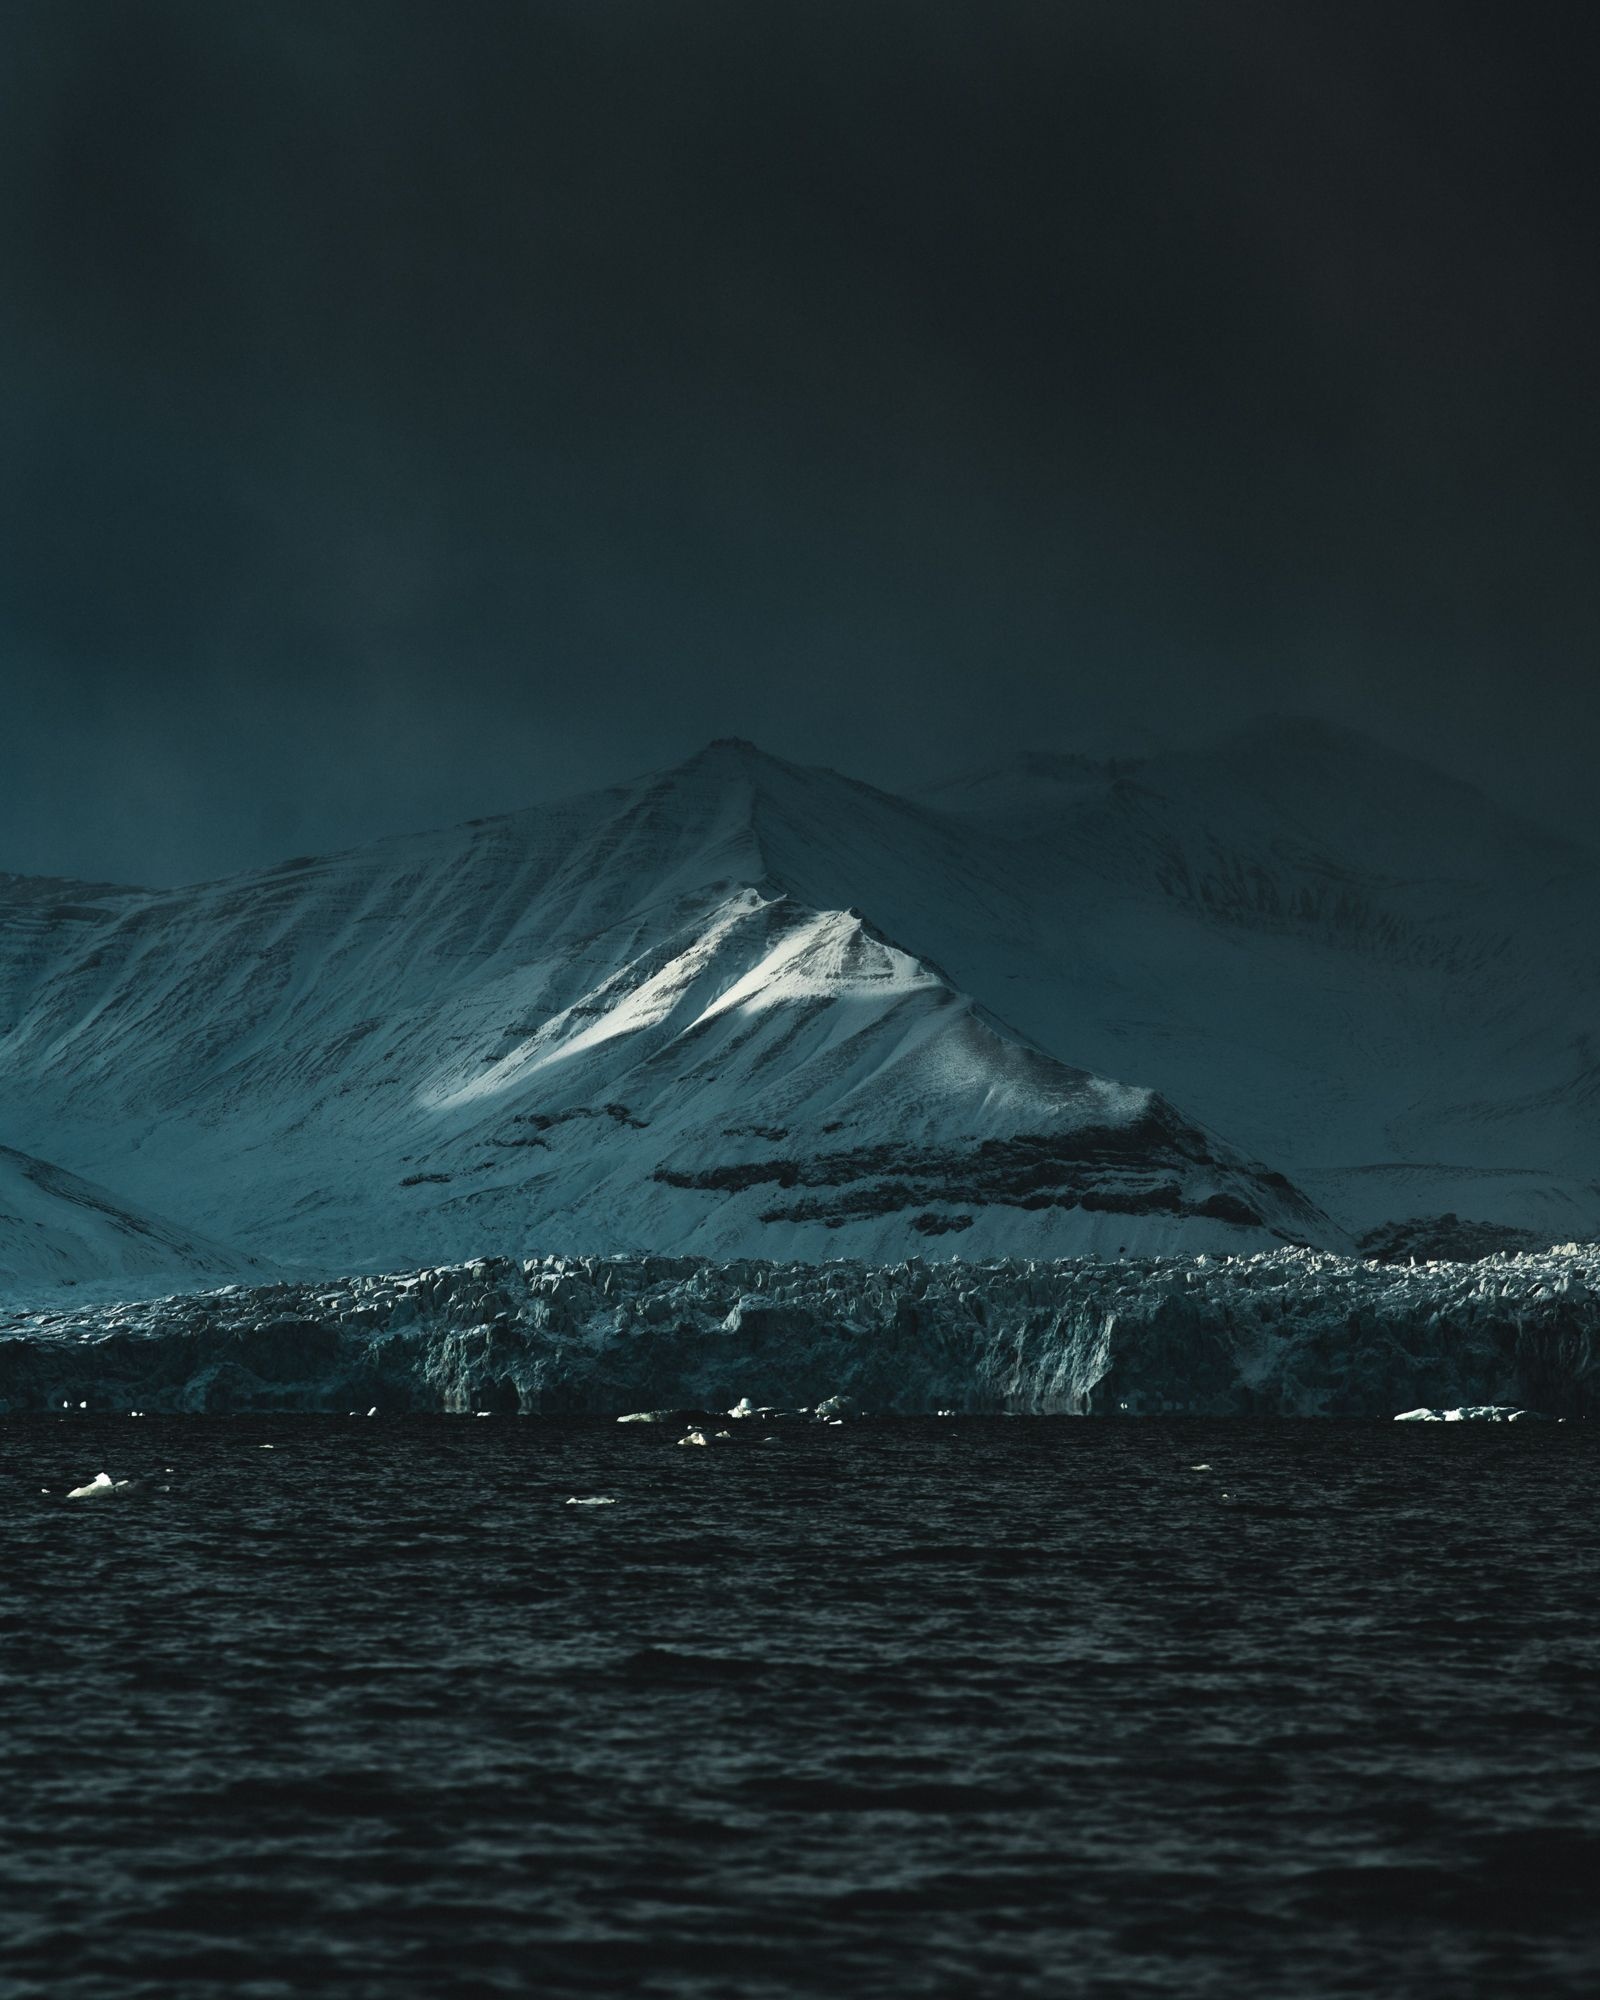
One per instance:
(650, 1417)
(1473, 1413)
(944, 1413)
(104, 1487)
(373, 1411)
(266, 1447)
(1199, 1468)
(694, 1437)
(591, 1500)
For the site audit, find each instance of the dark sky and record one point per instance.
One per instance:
(410, 411)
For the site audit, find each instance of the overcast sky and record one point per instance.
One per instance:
(411, 411)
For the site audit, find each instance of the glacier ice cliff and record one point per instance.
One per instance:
(1292, 1332)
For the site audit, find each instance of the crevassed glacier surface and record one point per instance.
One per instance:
(1286, 1332)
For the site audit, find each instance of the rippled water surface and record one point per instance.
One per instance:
(941, 1708)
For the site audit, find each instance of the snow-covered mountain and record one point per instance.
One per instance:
(741, 1008)
(658, 1017)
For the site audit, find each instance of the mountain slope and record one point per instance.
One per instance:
(56, 1229)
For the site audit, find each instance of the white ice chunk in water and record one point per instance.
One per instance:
(102, 1487)
(1470, 1413)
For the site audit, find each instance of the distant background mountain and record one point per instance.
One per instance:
(56, 1229)
(1354, 965)
(741, 1007)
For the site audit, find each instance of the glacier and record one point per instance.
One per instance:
(1293, 1332)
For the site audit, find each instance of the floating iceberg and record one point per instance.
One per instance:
(1471, 1413)
(104, 1487)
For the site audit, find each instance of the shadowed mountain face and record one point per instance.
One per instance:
(1353, 965)
(743, 1008)
(56, 1228)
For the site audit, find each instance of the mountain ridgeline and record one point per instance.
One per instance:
(1283, 992)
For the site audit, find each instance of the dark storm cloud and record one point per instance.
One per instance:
(411, 411)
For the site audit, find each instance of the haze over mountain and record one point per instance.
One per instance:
(56, 1228)
(1354, 965)
(744, 1008)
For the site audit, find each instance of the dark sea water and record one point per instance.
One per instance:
(933, 1708)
